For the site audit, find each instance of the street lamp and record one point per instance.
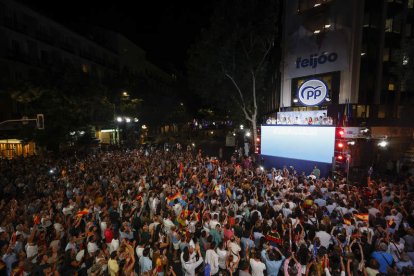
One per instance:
(136, 120)
(382, 144)
(125, 94)
(119, 119)
(128, 120)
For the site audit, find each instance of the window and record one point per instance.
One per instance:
(388, 25)
(18, 75)
(410, 4)
(361, 113)
(391, 84)
(366, 20)
(381, 111)
(328, 80)
(84, 68)
(386, 55)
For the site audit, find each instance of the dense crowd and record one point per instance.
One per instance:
(164, 211)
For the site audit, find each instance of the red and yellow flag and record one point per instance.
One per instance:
(347, 222)
(82, 167)
(36, 220)
(390, 222)
(181, 172)
(14, 236)
(200, 195)
(63, 172)
(82, 213)
(363, 217)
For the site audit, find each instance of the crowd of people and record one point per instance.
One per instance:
(165, 211)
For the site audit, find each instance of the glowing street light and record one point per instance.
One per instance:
(136, 120)
(119, 119)
(128, 120)
(125, 94)
(382, 144)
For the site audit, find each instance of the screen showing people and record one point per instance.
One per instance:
(301, 118)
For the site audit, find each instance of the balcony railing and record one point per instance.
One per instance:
(18, 56)
(14, 25)
(85, 55)
(100, 61)
(67, 47)
(44, 37)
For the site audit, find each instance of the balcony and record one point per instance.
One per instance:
(44, 37)
(18, 56)
(85, 55)
(14, 25)
(114, 66)
(100, 61)
(67, 47)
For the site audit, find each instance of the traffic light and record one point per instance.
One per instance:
(339, 155)
(40, 121)
(258, 145)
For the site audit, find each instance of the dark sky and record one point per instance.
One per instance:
(164, 29)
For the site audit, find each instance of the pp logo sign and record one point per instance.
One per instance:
(312, 92)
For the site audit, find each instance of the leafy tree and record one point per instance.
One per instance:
(69, 99)
(227, 64)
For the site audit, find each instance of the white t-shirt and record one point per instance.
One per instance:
(396, 251)
(234, 249)
(223, 256)
(257, 267)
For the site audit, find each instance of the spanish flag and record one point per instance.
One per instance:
(82, 167)
(182, 219)
(347, 222)
(363, 217)
(36, 220)
(181, 172)
(63, 172)
(200, 195)
(2, 265)
(82, 213)
(390, 222)
(14, 236)
(308, 203)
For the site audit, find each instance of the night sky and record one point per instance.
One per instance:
(164, 29)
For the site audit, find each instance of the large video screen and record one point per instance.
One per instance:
(310, 143)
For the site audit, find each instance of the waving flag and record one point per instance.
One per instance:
(363, 217)
(146, 153)
(63, 172)
(234, 195)
(390, 222)
(200, 195)
(315, 251)
(181, 172)
(263, 191)
(345, 118)
(82, 213)
(210, 167)
(228, 192)
(347, 222)
(182, 218)
(178, 196)
(36, 220)
(82, 167)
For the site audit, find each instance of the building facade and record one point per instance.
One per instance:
(352, 45)
(30, 42)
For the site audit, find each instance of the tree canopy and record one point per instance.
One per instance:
(227, 64)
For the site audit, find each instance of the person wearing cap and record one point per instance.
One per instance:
(405, 262)
(385, 259)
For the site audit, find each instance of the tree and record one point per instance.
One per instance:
(69, 99)
(227, 64)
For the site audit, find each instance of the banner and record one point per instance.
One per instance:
(315, 117)
(318, 37)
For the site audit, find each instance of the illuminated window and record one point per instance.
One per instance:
(84, 68)
(388, 25)
(328, 80)
(391, 84)
(361, 111)
(310, 108)
(381, 111)
(386, 56)
(295, 109)
(302, 108)
(300, 83)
